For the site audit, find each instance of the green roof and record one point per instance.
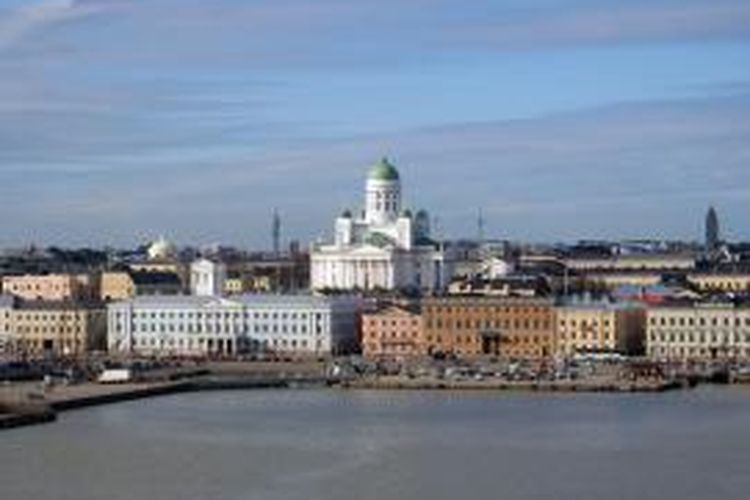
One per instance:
(384, 171)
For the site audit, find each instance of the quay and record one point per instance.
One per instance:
(601, 386)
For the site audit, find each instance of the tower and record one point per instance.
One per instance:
(713, 236)
(382, 193)
(276, 232)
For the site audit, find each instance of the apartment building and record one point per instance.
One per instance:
(61, 328)
(395, 332)
(206, 325)
(600, 327)
(495, 326)
(698, 332)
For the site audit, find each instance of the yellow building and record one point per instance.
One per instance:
(599, 328)
(720, 282)
(48, 286)
(234, 286)
(612, 280)
(116, 286)
(61, 328)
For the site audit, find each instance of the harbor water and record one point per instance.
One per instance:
(336, 444)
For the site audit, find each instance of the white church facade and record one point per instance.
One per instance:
(384, 247)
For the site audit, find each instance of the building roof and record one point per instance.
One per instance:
(45, 305)
(247, 300)
(155, 278)
(383, 171)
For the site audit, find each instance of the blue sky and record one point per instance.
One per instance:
(121, 120)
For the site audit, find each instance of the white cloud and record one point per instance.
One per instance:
(19, 22)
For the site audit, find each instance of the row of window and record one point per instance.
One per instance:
(483, 310)
(219, 328)
(200, 343)
(699, 337)
(218, 315)
(516, 324)
(693, 351)
(690, 321)
(48, 329)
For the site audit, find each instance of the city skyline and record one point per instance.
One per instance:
(560, 121)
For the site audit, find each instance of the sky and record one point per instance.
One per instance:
(122, 120)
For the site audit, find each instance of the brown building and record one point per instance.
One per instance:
(496, 326)
(395, 332)
(57, 327)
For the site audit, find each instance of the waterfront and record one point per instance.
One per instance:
(330, 444)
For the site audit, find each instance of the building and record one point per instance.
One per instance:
(513, 328)
(121, 285)
(7, 302)
(600, 327)
(720, 282)
(49, 286)
(395, 332)
(698, 332)
(634, 262)
(207, 278)
(385, 247)
(235, 285)
(615, 279)
(247, 324)
(116, 285)
(161, 249)
(60, 328)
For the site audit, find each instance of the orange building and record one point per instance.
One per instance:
(394, 332)
(495, 326)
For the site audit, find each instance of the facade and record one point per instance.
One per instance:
(600, 328)
(698, 332)
(393, 333)
(6, 309)
(207, 278)
(648, 262)
(615, 279)
(720, 282)
(385, 247)
(235, 285)
(60, 328)
(247, 324)
(116, 285)
(512, 328)
(48, 286)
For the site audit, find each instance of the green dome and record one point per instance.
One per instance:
(383, 171)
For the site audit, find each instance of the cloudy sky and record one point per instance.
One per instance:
(560, 119)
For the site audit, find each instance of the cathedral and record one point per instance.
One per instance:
(383, 247)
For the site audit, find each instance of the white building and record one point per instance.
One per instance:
(207, 278)
(384, 247)
(202, 325)
(698, 332)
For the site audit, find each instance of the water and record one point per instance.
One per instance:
(389, 445)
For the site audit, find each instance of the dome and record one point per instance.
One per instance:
(383, 171)
(160, 249)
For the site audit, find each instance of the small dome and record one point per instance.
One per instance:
(160, 249)
(346, 214)
(383, 171)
